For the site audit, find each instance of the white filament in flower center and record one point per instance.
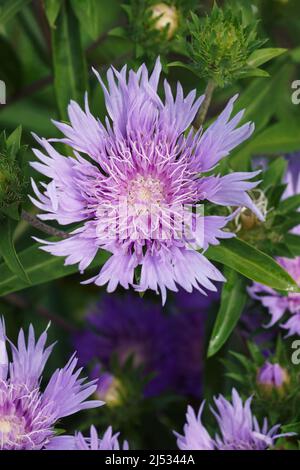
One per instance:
(11, 430)
(145, 191)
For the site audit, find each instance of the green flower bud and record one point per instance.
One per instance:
(221, 44)
(11, 183)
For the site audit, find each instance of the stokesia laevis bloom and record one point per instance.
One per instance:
(278, 304)
(128, 327)
(133, 187)
(28, 414)
(109, 441)
(239, 429)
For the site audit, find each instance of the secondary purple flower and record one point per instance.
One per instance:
(239, 429)
(124, 327)
(292, 179)
(109, 441)
(133, 190)
(272, 377)
(188, 325)
(278, 304)
(28, 414)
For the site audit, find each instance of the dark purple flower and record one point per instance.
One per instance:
(28, 414)
(188, 340)
(146, 167)
(129, 326)
(239, 429)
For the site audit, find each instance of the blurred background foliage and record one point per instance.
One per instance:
(47, 51)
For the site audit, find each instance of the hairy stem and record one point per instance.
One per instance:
(201, 115)
(36, 223)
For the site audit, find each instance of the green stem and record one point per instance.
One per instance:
(36, 223)
(201, 115)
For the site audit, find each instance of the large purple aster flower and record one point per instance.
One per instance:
(109, 441)
(239, 429)
(133, 190)
(276, 303)
(28, 414)
(128, 327)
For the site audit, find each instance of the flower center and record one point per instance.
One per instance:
(11, 430)
(145, 190)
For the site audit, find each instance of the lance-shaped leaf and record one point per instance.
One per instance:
(289, 204)
(41, 267)
(252, 263)
(9, 8)
(233, 300)
(52, 8)
(8, 252)
(293, 243)
(70, 75)
(261, 56)
(274, 174)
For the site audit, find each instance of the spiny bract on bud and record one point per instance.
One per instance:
(11, 183)
(221, 44)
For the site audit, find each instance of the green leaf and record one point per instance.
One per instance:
(295, 54)
(233, 300)
(261, 56)
(289, 204)
(254, 72)
(285, 223)
(252, 263)
(11, 68)
(70, 77)
(282, 137)
(13, 142)
(293, 243)
(41, 267)
(260, 101)
(52, 8)
(118, 32)
(95, 17)
(8, 252)
(274, 173)
(9, 8)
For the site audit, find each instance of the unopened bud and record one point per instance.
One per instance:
(109, 390)
(11, 182)
(272, 377)
(166, 15)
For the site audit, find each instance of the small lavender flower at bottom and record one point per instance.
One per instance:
(28, 414)
(239, 428)
(109, 441)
